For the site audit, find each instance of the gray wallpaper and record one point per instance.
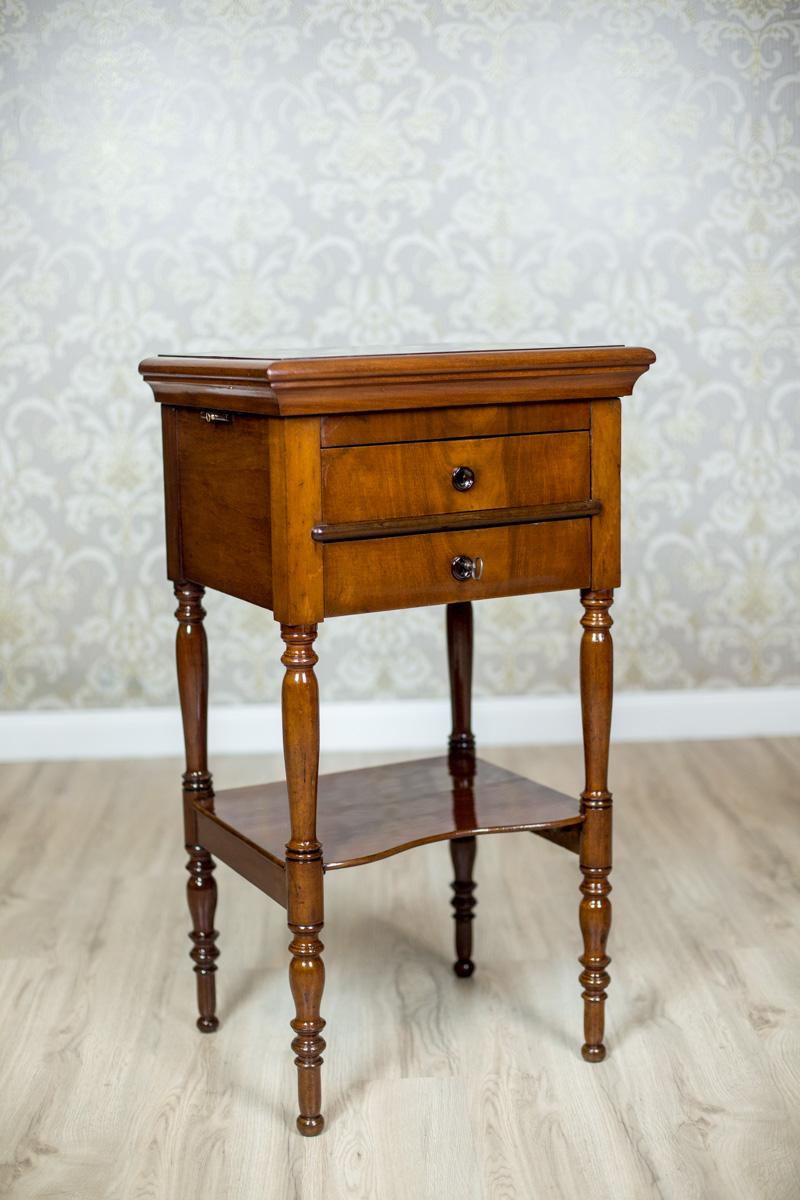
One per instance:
(230, 175)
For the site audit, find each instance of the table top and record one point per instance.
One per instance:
(304, 382)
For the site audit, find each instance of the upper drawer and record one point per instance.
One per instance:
(409, 479)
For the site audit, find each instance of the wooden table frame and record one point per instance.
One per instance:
(260, 459)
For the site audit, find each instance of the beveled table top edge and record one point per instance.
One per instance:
(385, 363)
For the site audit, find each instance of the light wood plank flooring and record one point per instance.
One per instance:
(434, 1086)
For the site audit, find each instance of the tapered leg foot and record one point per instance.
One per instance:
(201, 892)
(462, 851)
(595, 919)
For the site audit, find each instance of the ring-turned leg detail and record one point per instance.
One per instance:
(307, 979)
(595, 919)
(462, 851)
(596, 671)
(191, 652)
(201, 892)
(462, 769)
(304, 876)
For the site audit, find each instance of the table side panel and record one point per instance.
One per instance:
(254, 864)
(223, 485)
(172, 499)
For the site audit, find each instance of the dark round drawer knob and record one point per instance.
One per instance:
(463, 568)
(463, 479)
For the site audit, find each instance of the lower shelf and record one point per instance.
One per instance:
(372, 813)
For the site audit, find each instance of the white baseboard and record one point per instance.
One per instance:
(401, 724)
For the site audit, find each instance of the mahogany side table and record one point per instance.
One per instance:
(322, 484)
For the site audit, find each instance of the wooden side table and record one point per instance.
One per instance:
(326, 484)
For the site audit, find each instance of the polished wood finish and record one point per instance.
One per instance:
(322, 485)
(295, 504)
(596, 663)
(409, 479)
(359, 531)
(462, 853)
(407, 572)
(606, 455)
(367, 815)
(300, 706)
(459, 661)
(327, 383)
(462, 768)
(570, 839)
(172, 500)
(434, 424)
(222, 476)
(264, 868)
(191, 652)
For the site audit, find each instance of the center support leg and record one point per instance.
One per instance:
(596, 672)
(304, 876)
(462, 769)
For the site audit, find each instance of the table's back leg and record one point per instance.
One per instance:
(462, 760)
(191, 653)
(596, 669)
(304, 882)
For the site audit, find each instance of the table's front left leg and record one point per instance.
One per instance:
(191, 652)
(595, 849)
(304, 875)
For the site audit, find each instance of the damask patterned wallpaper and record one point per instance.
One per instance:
(229, 175)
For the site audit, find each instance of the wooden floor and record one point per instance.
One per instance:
(434, 1086)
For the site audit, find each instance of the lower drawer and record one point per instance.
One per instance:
(404, 572)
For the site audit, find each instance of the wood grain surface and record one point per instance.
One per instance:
(437, 1087)
(487, 420)
(372, 813)
(405, 378)
(406, 572)
(408, 479)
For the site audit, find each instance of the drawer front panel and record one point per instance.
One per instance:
(410, 479)
(433, 424)
(404, 572)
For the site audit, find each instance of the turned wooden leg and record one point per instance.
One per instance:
(595, 851)
(192, 659)
(300, 704)
(462, 851)
(462, 768)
